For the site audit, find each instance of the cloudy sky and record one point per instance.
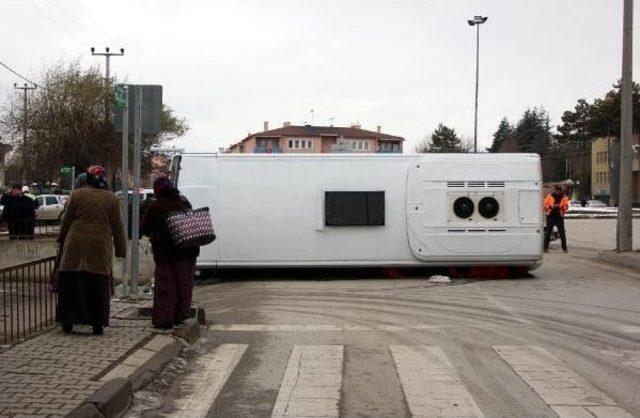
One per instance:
(227, 66)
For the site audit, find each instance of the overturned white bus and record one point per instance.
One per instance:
(378, 210)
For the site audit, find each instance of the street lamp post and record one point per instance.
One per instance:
(476, 21)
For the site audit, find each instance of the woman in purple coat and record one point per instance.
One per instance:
(175, 267)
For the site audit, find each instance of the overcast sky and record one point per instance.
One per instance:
(227, 66)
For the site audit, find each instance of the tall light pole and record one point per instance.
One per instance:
(625, 182)
(477, 21)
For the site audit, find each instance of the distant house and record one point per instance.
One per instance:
(318, 139)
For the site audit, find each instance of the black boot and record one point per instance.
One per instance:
(97, 330)
(67, 327)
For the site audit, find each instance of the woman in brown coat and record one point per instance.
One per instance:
(91, 228)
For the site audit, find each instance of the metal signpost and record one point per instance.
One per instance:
(135, 204)
(122, 102)
(72, 172)
(142, 113)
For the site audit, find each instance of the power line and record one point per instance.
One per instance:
(56, 23)
(17, 74)
(96, 23)
(67, 16)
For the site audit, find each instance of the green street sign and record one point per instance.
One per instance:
(119, 97)
(66, 170)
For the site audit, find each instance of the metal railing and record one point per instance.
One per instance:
(28, 307)
(21, 229)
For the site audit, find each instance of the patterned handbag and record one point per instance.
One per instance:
(191, 228)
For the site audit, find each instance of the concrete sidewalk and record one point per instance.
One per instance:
(629, 259)
(56, 374)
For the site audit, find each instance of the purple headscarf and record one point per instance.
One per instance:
(163, 188)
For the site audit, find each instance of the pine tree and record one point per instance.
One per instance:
(533, 132)
(443, 139)
(504, 133)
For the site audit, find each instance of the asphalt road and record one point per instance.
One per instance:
(563, 342)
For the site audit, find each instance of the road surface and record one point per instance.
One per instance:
(564, 342)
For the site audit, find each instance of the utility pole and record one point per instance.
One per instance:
(477, 21)
(107, 78)
(625, 225)
(25, 88)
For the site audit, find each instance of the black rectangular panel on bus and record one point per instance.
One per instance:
(361, 208)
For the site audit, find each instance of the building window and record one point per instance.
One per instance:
(366, 145)
(360, 208)
(300, 144)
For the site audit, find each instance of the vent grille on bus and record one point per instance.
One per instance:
(475, 230)
(495, 184)
(474, 184)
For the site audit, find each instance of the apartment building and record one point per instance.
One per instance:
(318, 139)
(603, 164)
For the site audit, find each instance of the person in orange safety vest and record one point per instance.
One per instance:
(556, 205)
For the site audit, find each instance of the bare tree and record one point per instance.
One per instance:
(66, 125)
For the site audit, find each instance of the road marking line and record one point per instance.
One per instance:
(337, 328)
(631, 329)
(430, 383)
(210, 374)
(564, 390)
(312, 382)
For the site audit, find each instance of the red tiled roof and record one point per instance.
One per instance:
(315, 131)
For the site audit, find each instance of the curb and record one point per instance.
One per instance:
(137, 369)
(629, 259)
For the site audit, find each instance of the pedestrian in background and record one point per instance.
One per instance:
(175, 267)
(31, 207)
(91, 228)
(16, 212)
(556, 205)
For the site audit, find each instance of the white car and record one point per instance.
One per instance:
(50, 207)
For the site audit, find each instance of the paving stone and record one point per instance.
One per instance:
(54, 373)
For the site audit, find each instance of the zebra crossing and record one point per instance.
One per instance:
(312, 383)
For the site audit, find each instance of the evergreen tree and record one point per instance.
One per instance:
(504, 132)
(443, 139)
(533, 132)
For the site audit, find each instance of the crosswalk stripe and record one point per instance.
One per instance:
(312, 382)
(430, 383)
(337, 328)
(564, 390)
(210, 374)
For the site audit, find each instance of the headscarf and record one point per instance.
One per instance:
(95, 177)
(163, 188)
(81, 180)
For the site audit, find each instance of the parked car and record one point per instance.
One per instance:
(596, 204)
(51, 207)
(145, 194)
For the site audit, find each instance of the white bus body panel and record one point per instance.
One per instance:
(268, 210)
